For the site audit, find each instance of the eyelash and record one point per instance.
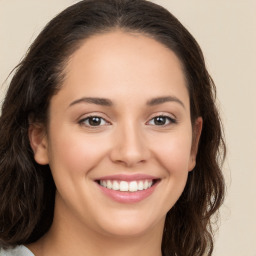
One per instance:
(86, 121)
(90, 118)
(166, 118)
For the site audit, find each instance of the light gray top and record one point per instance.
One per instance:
(16, 251)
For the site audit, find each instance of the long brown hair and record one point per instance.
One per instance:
(27, 189)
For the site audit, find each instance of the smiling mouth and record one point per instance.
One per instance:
(128, 186)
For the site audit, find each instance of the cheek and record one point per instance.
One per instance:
(174, 153)
(74, 155)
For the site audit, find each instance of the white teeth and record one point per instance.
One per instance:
(140, 185)
(145, 185)
(133, 186)
(115, 185)
(103, 183)
(109, 184)
(125, 186)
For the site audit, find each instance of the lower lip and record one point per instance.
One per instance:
(128, 197)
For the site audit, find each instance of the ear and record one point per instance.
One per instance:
(197, 129)
(39, 143)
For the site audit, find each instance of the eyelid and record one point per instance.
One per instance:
(82, 120)
(93, 114)
(164, 114)
(171, 118)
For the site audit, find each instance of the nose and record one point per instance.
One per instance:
(130, 146)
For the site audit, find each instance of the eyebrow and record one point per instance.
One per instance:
(97, 101)
(108, 103)
(161, 100)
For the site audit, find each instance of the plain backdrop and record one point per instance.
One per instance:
(226, 31)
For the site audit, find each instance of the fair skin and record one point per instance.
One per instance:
(122, 115)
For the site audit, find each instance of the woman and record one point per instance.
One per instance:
(111, 143)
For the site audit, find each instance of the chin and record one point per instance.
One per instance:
(130, 225)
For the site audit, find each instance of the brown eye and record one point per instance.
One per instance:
(93, 121)
(161, 120)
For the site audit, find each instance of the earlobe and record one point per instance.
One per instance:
(38, 143)
(197, 129)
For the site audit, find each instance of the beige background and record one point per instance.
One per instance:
(226, 31)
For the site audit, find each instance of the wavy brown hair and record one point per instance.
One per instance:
(27, 189)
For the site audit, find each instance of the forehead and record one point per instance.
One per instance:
(123, 63)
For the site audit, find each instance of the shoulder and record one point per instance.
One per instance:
(16, 251)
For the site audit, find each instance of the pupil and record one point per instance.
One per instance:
(94, 121)
(160, 120)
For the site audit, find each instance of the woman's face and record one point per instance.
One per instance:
(119, 139)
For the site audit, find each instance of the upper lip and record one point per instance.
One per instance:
(132, 177)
